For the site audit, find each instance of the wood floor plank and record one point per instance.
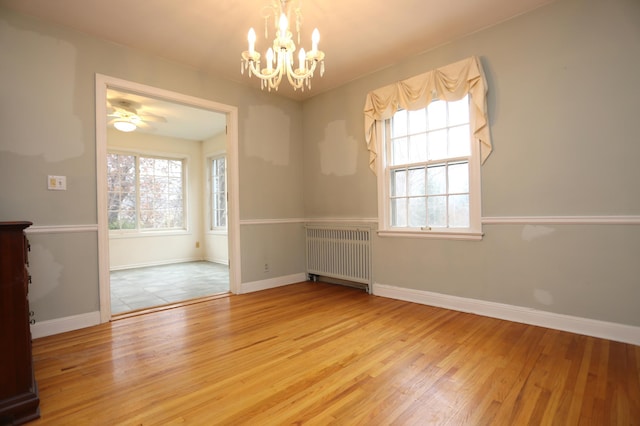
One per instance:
(317, 354)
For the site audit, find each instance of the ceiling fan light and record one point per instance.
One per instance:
(124, 126)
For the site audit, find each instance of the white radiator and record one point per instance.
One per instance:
(339, 252)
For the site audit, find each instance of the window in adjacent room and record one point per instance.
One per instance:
(218, 196)
(145, 192)
(431, 172)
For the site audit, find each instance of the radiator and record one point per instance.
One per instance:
(339, 252)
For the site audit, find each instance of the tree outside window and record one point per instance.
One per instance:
(145, 193)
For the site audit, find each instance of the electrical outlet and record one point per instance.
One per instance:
(197, 244)
(266, 267)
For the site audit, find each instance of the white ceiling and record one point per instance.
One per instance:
(182, 121)
(357, 36)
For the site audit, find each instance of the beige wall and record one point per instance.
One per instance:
(216, 248)
(562, 102)
(48, 128)
(127, 250)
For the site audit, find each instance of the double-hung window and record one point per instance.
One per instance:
(218, 195)
(430, 185)
(145, 192)
(427, 137)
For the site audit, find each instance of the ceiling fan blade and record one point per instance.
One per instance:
(145, 126)
(152, 117)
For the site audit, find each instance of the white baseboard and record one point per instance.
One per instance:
(222, 261)
(61, 325)
(585, 326)
(156, 263)
(272, 283)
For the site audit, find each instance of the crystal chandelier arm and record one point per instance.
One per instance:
(284, 49)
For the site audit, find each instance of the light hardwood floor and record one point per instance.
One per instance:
(324, 354)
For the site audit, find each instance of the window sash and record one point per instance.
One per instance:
(218, 192)
(394, 222)
(163, 208)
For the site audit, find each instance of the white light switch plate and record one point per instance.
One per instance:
(57, 183)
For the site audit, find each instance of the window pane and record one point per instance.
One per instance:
(146, 217)
(459, 145)
(417, 121)
(399, 212)
(161, 167)
(221, 168)
(418, 148)
(399, 153)
(438, 145)
(417, 212)
(215, 181)
(459, 211)
(458, 178)
(174, 218)
(437, 208)
(459, 112)
(416, 181)
(121, 190)
(218, 195)
(399, 124)
(221, 201)
(437, 114)
(174, 186)
(146, 166)
(221, 218)
(161, 193)
(436, 180)
(429, 155)
(175, 168)
(127, 219)
(398, 183)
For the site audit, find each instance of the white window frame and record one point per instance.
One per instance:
(137, 231)
(212, 228)
(473, 232)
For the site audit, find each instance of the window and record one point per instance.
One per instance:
(431, 172)
(218, 194)
(144, 192)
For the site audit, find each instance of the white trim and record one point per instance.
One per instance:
(158, 263)
(308, 220)
(433, 234)
(62, 325)
(352, 220)
(490, 220)
(116, 234)
(561, 220)
(218, 260)
(272, 283)
(104, 82)
(270, 221)
(59, 229)
(585, 326)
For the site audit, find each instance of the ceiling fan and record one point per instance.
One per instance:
(126, 118)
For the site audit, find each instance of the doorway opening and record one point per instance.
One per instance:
(167, 210)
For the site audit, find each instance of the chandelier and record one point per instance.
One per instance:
(283, 51)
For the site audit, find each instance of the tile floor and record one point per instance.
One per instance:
(140, 288)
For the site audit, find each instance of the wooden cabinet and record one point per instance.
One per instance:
(19, 402)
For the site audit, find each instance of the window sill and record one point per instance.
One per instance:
(145, 234)
(442, 235)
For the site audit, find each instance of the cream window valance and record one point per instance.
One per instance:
(449, 83)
